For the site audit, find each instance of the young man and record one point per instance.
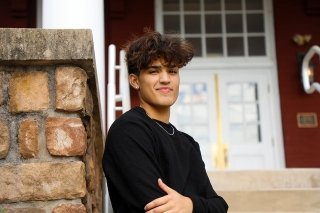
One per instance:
(151, 166)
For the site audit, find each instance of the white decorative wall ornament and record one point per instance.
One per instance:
(309, 87)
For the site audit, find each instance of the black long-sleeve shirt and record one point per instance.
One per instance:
(138, 152)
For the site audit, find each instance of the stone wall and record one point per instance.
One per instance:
(50, 130)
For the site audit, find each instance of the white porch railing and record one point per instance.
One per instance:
(122, 97)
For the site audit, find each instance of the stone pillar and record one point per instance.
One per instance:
(51, 140)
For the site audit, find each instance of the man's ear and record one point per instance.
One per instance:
(134, 81)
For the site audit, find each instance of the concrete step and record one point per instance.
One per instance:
(265, 179)
(301, 200)
(287, 190)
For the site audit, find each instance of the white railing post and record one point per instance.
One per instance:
(113, 98)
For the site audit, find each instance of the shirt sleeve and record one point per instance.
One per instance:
(208, 201)
(130, 164)
(215, 204)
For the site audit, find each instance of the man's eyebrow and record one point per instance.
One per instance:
(154, 66)
(159, 66)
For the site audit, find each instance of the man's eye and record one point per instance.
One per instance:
(153, 71)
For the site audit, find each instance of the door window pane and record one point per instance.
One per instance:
(171, 5)
(233, 4)
(191, 5)
(212, 5)
(192, 24)
(252, 134)
(200, 113)
(234, 92)
(184, 94)
(236, 133)
(235, 46)
(199, 93)
(196, 42)
(251, 113)
(171, 24)
(255, 23)
(184, 113)
(236, 113)
(256, 46)
(214, 47)
(213, 23)
(250, 92)
(254, 4)
(234, 23)
(201, 132)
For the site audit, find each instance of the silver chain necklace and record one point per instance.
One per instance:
(160, 124)
(165, 129)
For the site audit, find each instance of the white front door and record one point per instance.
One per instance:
(229, 95)
(232, 108)
(246, 118)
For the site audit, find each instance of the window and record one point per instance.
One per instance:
(218, 28)
(243, 110)
(192, 108)
(191, 114)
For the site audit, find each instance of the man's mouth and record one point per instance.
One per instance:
(164, 89)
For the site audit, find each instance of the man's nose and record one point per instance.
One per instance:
(164, 76)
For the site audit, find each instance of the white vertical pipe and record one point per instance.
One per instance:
(79, 14)
(111, 84)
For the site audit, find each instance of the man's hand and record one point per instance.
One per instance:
(173, 202)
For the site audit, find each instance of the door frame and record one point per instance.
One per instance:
(268, 63)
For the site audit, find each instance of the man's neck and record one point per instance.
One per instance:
(160, 113)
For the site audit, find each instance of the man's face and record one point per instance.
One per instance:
(158, 84)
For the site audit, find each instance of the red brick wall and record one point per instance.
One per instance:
(123, 20)
(18, 13)
(302, 145)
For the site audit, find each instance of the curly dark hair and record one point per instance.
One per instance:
(141, 51)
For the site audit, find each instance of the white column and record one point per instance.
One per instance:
(80, 14)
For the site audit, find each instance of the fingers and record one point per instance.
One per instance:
(164, 187)
(173, 201)
(159, 201)
(156, 203)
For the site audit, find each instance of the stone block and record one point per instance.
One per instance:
(4, 139)
(1, 88)
(89, 102)
(28, 138)
(27, 44)
(70, 208)
(42, 181)
(90, 173)
(71, 88)
(22, 210)
(28, 92)
(65, 136)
